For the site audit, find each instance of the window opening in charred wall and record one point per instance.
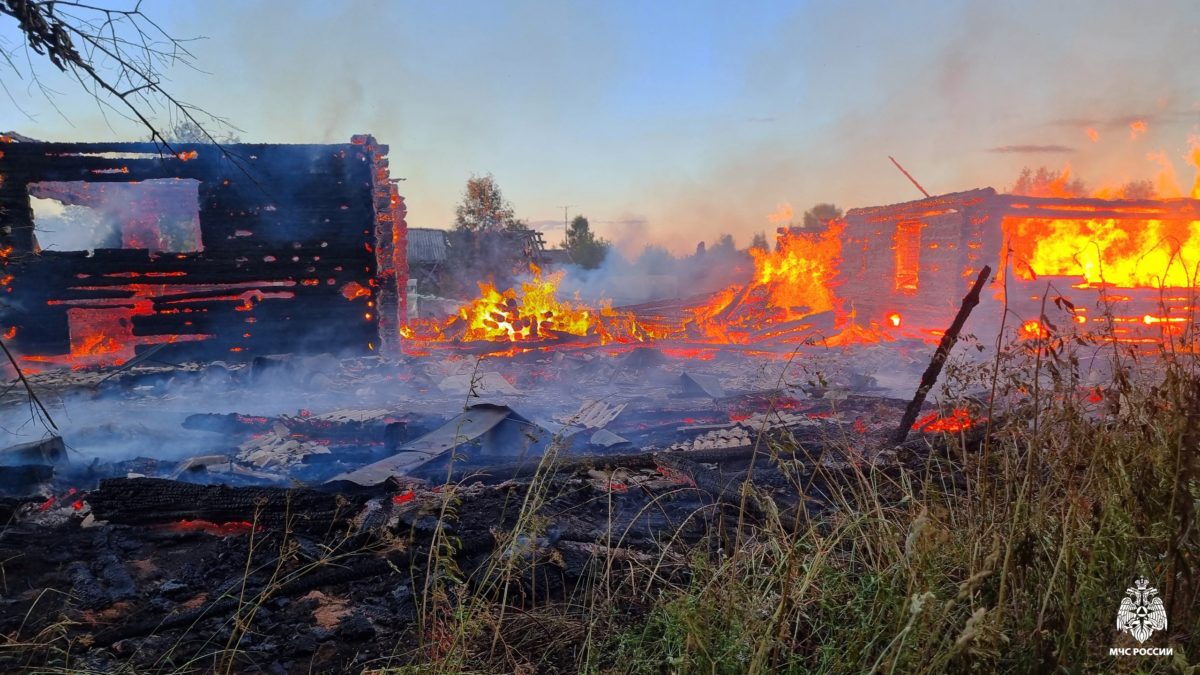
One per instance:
(160, 215)
(908, 255)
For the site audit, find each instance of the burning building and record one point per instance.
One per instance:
(1125, 266)
(198, 251)
(903, 267)
(206, 252)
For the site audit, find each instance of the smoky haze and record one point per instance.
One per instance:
(672, 124)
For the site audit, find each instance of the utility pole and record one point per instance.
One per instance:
(564, 208)
(566, 225)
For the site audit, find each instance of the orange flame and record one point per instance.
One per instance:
(531, 313)
(957, 420)
(1129, 252)
(794, 281)
(799, 272)
(1033, 329)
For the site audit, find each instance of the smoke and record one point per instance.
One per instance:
(140, 413)
(1032, 149)
(111, 422)
(848, 86)
(655, 273)
(690, 122)
(157, 214)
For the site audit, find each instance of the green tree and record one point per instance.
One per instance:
(818, 217)
(759, 241)
(483, 208)
(586, 250)
(724, 244)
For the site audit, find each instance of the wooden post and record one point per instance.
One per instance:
(949, 338)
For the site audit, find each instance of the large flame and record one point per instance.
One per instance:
(793, 282)
(798, 274)
(1128, 252)
(530, 313)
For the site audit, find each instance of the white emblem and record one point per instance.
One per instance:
(1141, 612)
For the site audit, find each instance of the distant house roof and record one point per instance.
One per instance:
(426, 245)
(557, 256)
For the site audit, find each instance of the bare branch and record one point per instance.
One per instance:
(116, 53)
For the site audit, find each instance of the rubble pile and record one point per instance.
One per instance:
(313, 487)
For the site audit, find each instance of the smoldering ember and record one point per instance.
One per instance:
(258, 420)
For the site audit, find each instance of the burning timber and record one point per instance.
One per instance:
(883, 274)
(903, 267)
(200, 252)
(249, 250)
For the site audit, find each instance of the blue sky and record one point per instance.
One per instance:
(673, 122)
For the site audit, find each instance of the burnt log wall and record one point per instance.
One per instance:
(1130, 307)
(288, 261)
(961, 232)
(917, 259)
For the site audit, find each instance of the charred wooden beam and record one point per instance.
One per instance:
(157, 501)
(939, 357)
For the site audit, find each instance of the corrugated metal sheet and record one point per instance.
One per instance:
(426, 245)
(481, 428)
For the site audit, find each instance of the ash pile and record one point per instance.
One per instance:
(164, 496)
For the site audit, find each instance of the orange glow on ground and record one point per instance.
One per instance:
(1033, 329)
(958, 420)
(209, 527)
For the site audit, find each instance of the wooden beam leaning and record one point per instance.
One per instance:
(949, 338)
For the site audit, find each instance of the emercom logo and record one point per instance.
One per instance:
(1141, 614)
(1141, 651)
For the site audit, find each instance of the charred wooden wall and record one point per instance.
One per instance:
(1129, 306)
(289, 261)
(918, 258)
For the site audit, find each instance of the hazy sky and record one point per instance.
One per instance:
(673, 122)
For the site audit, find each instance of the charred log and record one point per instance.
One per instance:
(157, 501)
